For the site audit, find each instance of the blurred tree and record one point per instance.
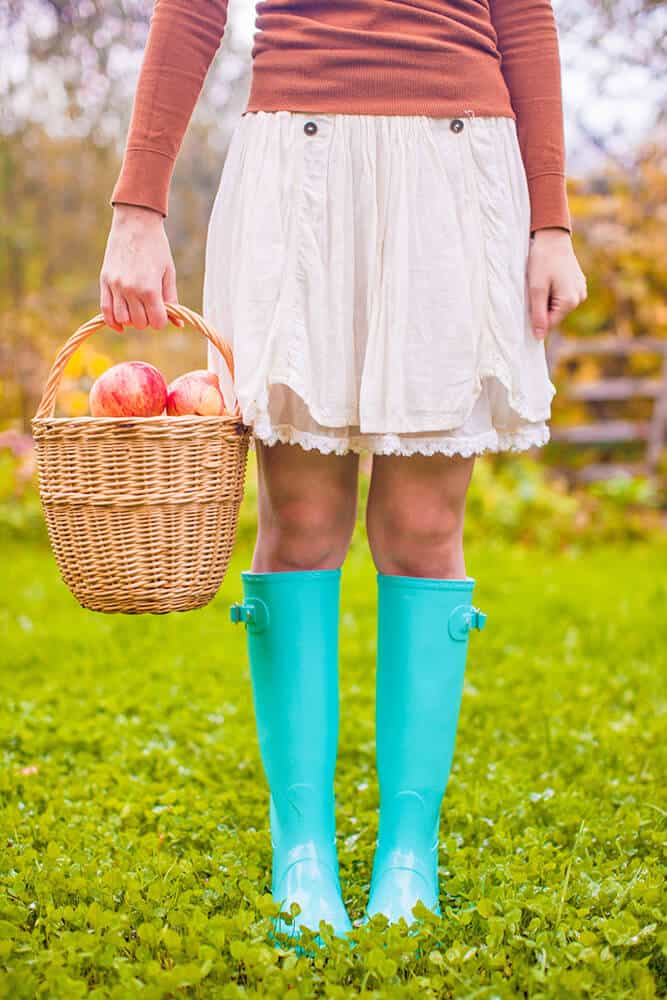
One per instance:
(65, 103)
(640, 24)
(621, 224)
(615, 64)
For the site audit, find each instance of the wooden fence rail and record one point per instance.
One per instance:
(652, 431)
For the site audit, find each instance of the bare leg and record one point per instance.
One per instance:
(306, 508)
(415, 512)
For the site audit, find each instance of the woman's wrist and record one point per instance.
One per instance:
(550, 229)
(123, 210)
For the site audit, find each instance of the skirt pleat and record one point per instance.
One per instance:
(371, 277)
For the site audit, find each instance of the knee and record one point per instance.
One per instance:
(417, 539)
(312, 533)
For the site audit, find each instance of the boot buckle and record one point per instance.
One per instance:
(463, 618)
(477, 619)
(253, 612)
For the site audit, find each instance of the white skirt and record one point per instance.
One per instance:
(369, 272)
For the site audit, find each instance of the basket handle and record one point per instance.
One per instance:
(48, 402)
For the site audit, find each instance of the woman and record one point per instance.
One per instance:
(389, 245)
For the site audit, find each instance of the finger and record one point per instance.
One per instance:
(169, 293)
(560, 306)
(120, 308)
(155, 310)
(539, 298)
(138, 316)
(106, 305)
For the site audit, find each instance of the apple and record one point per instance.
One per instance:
(207, 375)
(130, 389)
(197, 392)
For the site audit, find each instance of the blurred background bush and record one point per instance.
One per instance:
(67, 79)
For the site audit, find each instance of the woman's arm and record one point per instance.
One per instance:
(528, 44)
(183, 38)
(138, 274)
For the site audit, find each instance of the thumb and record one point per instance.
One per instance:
(169, 293)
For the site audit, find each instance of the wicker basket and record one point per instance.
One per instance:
(141, 512)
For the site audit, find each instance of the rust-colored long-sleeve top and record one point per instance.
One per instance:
(426, 57)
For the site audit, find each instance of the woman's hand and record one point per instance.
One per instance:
(556, 283)
(138, 274)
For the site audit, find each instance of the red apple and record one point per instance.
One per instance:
(130, 389)
(197, 392)
(207, 375)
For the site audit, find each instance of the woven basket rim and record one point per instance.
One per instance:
(185, 419)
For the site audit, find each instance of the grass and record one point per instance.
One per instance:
(134, 843)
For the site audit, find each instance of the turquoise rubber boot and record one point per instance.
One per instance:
(422, 641)
(291, 621)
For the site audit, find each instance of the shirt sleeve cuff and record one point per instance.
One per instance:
(144, 180)
(548, 202)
